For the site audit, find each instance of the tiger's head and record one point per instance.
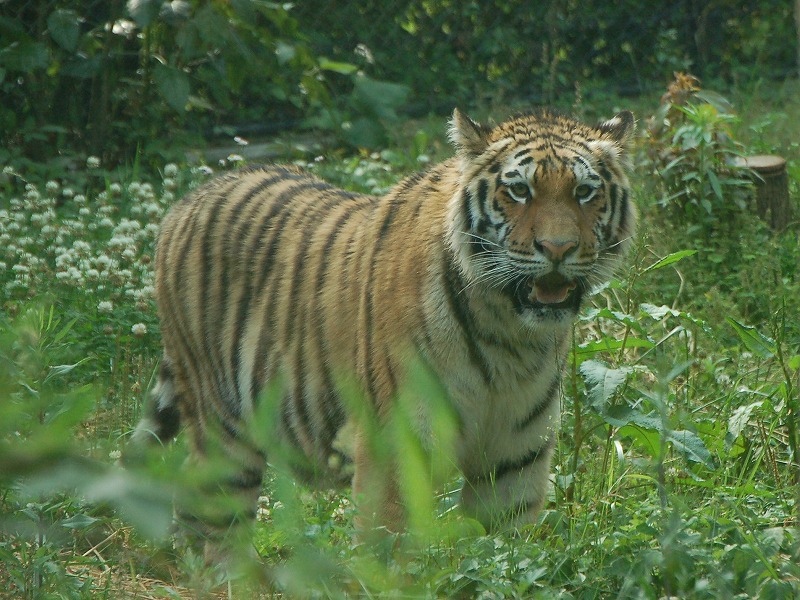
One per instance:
(543, 209)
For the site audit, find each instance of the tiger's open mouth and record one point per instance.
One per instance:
(551, 291)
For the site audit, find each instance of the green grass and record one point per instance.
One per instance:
(676, 470)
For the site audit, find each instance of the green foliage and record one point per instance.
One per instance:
(108, 78)
(55, 487)
(676, 471)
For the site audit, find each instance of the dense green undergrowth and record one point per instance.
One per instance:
(676, 471)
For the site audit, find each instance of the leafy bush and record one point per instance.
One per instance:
(109, 79)
(676, 466)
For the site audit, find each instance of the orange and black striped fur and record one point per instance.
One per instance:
(476, 267)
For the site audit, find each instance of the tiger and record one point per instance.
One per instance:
(476, 268)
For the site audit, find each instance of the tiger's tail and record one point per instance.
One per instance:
(162, 419)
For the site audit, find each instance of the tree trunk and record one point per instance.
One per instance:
(772, 188)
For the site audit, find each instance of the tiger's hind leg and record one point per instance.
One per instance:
(214, 507)
(219, 508)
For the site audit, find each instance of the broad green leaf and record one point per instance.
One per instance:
(719, 102)
(669, 259)
(690, 444)
(173, 85)
(741, 417)
(619, 415)
(64, 28)
(715, 185)
(754, 341)
(382, 98)
(602, 380)
(79, 521)
(143, 11)
(658, 312)
(342, 68)
(26, 56)
(649, 439)
(58, 370)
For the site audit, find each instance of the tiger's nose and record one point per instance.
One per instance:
(556, 250)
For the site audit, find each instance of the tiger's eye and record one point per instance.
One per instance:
(583, 191)
(519, 190)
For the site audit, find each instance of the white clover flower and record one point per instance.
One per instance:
(52, 187)
(8, 170)
(105, 222)
(92, 162)
(146, 191)
(3, 266)
(170, 184)
(171, 170)
(67, 193)
(3, 214)
(121, 241)
(235, 158)
(105, 306)
(134, 188)
(63, 260)
(79, 199)
(115, 189)
(167, 198)
(129, 253)
(81, 247)
(139, 329)
(20, 269)
(115, 455)
(204, 170)
(92, 273)
(152, 209)
(84, 212)
(32, 194)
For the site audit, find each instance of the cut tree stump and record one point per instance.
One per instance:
(772, 188)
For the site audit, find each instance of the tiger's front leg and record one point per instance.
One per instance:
(509, 494)
(376, 491)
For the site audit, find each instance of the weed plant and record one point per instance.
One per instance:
(676, 471)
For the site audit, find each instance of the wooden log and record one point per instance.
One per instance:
(772, 188)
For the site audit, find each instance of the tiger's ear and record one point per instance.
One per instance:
(469, 137)
(620, 128)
